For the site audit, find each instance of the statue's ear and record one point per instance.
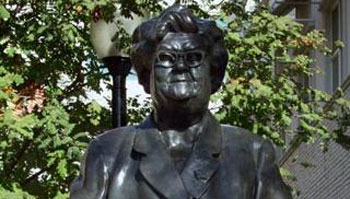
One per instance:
(146, 88)
(144, 79)
(217, 80)
(218, 65)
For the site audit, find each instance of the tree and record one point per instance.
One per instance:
(268, 57)
(47, 66)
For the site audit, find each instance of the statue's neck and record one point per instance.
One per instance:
(179, 120)
(179, 134)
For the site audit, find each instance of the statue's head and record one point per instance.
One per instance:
(179, 58)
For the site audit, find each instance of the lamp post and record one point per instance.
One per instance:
(117, 61)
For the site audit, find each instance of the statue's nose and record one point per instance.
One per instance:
(181, 65)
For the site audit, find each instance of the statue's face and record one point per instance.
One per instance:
(181, 71)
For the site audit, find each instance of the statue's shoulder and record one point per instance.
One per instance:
(117, 134)
(114, 141)
(240, 134)
(239, 138)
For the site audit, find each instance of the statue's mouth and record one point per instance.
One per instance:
(179, 81)
(180, 78)
(182, 90)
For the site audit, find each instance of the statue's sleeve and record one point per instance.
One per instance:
(93, 176)
(269, 181)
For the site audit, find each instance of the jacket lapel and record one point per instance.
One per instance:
(156, 165)
(205, 159)
(159, 170)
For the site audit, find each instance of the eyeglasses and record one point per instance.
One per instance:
(191, 59)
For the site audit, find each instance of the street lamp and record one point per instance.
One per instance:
(118, 63)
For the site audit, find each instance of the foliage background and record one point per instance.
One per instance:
(47, 66)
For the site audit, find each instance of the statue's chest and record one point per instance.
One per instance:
(235, 179)
(179, 147)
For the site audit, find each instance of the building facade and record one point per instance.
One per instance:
(322, 175)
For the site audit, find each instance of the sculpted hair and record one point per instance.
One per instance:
(177, 19)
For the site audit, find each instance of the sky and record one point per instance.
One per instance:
(133, 89)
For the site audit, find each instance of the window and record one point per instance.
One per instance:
(335, 30)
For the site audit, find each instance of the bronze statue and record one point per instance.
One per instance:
(180, 151)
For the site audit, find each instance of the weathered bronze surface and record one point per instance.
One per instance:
(180, 151)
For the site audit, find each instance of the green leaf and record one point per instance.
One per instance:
(15, 193)
(4, 14)
(286, 119)
(10, 51)
(30, 37)
(41, 29)
(60, 195)
(286, 174)
(4, 40)
(62, 168)
(305, 108)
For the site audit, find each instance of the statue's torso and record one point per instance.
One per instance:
(234, 179)
(134, 163)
